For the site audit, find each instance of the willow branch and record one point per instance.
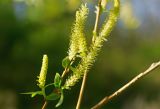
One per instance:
(81, 91)
(98, 10)
(122, 89)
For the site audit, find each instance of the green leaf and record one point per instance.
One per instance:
(53, 96)
(57, 80)
(60, 100)
(33, 94)
(65, 62)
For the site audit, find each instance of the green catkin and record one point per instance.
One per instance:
(78, 41)
(109, 23)
(42, 76)
(95, 47)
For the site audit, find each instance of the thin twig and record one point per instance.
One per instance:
(45, 105)
(65, 72)
(98, 10)
(81, 91)
(135, 79)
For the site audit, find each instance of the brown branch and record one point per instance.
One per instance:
(81, 91)
(98, 10)
(44, 105)
(135, 79)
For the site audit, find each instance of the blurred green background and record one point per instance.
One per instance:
(31, 28)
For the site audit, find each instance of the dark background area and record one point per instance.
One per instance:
(31, 28)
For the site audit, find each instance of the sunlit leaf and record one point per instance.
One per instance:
(33, 94)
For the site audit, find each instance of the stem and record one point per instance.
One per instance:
(122, 89)
(93, 39)
(45, 105)
(65, 72)
(44, 92)
(81, 91)
(97, 20)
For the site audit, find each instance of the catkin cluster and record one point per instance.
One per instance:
(78, 42)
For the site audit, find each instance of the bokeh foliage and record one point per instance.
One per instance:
(30, 29)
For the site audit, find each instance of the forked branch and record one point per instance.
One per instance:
(135, 79)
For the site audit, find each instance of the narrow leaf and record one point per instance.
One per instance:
(60, 100)
(33, 94)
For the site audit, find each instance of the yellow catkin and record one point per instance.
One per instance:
(78, 41)
(42, 76)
